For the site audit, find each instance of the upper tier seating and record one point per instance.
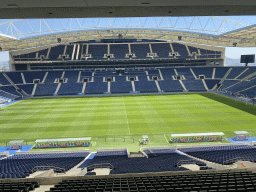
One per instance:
(15, 77)
(43, 53)
(21, 165)
(209, 54)
(181, 49)
(98, 51)
(24, 57)
(31, 75)
(119, 50)
(143, 85)
(69, 51)
(192, 182)
(206, 71)
(222, 154)
(56, 51)
(162, 49)
(193, 49)
(140, 50)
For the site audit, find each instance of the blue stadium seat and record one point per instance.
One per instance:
(120, 85)
(162, 49)
(143, 85)
(206, 71)
(21, 165)
(31, 75)
(15, 77)
(140, 50)
(119, 50)
(170, 86)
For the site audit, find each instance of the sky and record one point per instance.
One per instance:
(212, 25)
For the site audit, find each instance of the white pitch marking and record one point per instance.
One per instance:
(126, 118)
(166, 139)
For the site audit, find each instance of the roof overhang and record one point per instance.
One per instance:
(123, 8)
(242, 38)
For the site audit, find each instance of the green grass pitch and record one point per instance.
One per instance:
(119, 121)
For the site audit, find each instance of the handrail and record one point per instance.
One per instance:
(186, 160)
(101, 165)
(239, 158)
(43, 168)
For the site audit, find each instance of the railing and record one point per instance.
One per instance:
(102, 165)
(45, 168)
(184, 161)
(243, 158)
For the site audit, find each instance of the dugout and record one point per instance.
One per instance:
(15, 145)
(197, 137)
(241, 135)
(68, 142)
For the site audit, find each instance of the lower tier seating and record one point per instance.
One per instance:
(96, 88)
(211, 83)
(21, 165)
(223, 154)
(27, 88)
(194, 85)
(158, 162)
(170, 85)
(19, 186)
(204, 182)
(46, 89)
(70, 88)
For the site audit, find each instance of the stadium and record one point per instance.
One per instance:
(126, 97)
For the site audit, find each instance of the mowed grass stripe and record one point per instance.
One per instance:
(108, 116)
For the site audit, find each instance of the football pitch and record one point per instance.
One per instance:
(120, 121)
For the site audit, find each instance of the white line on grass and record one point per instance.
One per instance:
(166, 139)
(126, 118)
(96, 140)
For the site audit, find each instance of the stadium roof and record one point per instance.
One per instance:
(123, 8)
(216, 31)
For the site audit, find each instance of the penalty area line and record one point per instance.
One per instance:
(126, 118)
(166, 139)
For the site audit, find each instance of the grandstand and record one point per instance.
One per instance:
(96, 108)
